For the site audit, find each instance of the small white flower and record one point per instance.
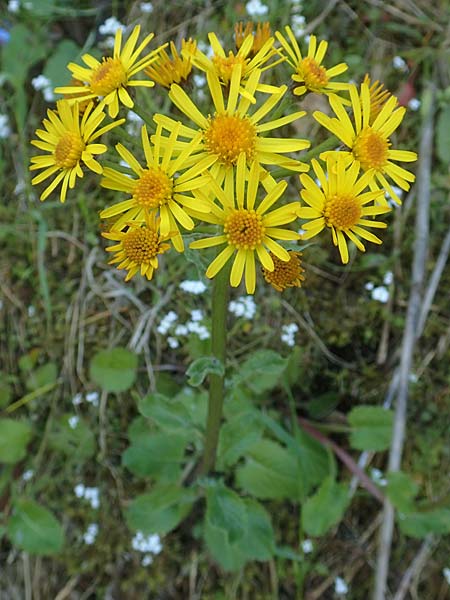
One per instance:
(200, 330)
(73, 421)
(193, 287)
(399, 64)
(79, 490)
(413, 378)
(446, 574)
(31, 310)
(27, 475)
(196, 314)
(147, 560)
(380, 294)
(167, 322)
(90, 534)
(13, 6)
(173, 342)
(110, 26)
(378, 477)
(256, 9)
(388, 278)
(92, 398)
(93, 495)
(414, 104)
(134, 117)
(108, 42)
(288, 333)
(77, 399)
(307, 546)
(41, 82)
(298, 23)
(150, 543)
(340, 587)
(146, 7)
(369, 286)
(5, 129)
(181, 330)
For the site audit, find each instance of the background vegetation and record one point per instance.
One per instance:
(76, 417)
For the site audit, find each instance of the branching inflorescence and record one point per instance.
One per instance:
(221, 169)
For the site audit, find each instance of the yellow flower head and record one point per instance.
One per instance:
(232, 129)
(138, 247)
(260, 36)
(337, 202)
(309, 73)
(166, 70)
(111, 78)
(222, 64)
(158, 188)
(68, 138)
(369, 140)
(247, 229)
(285, 274)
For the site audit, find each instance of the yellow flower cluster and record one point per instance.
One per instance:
(216, 173)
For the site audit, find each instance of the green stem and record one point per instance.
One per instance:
(220, 295)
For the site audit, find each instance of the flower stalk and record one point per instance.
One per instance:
(220, 294)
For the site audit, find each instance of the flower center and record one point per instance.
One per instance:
(371, 149)
(314, 75)
(228, 136)
(108, 76)
(141, 245)
(285, 274)
(342, 212)
(153, 189)
(68, 150)
(224, 66)
(244, 229)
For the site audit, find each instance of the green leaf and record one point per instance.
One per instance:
(114, 370)
(259, 543)
(227, 511)
(261, 371)
(45, 375)
(34, 529)
(270, 472)
(236, 437)
(321, 406)
(443, 135)
(230, 557)
(72, 436)
(401, 491)
(202, 367)
(161, 510)
(157, 454)
(325, 508)
(420, 524)
(24, 49)
(56, 66)
(371, 428)
(167, 413)
(14, 438)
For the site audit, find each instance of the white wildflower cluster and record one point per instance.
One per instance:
(146, 7)
(255, 8)
(43, 84)
(91, 494)
(73, 421)
(193, 325)
(340, 587)
(243, 307)
(380, 293)
(90, 534)
(288, 334)
(298, 21)
(307, 546)
(5, 129)
(193, 287)
(167, 322)
(446, 574)
(27, 475)
(150, 545)
(399, 64)
(13, 6)
(90, 398)
(108, 29)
